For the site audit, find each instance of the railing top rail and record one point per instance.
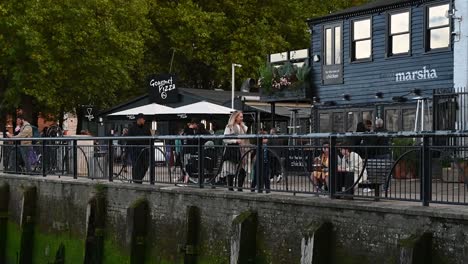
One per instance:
(400, 134)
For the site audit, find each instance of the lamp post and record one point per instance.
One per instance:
(233, 66)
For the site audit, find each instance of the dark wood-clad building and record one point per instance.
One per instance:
(381, 59)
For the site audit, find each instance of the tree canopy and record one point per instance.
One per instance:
(67, 53)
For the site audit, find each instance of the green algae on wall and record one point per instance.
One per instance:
(114, 254)
(12, 242)
(213, 251)
(46, 246)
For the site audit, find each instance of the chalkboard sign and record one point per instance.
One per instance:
(163, 89)
(332, 74)
(299, 160)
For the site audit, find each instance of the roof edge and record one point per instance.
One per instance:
(365, 11)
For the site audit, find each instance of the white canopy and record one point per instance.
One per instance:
(149, 109)
(203, 108)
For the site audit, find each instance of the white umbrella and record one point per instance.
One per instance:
(149, 109)
(203, 108)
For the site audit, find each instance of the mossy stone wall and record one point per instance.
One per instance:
(362, 232)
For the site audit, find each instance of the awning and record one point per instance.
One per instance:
(203, 108)
(302, 112)
(149, 109)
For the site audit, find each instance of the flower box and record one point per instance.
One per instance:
(300, 92)
(284, 83)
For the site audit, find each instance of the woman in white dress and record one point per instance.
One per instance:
(234, 151)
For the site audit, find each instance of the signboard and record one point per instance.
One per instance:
(424, 73)
(299, 160)
(332, 74)
(162, 89)
(89, 114)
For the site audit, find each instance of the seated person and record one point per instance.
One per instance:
(352, 162)
(319, 175)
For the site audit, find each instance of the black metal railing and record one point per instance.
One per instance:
(392, 166)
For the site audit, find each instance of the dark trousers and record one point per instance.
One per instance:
(25, 154)
(344, 181)
(19, 158)
(263, 178)
(240, 180)
(140, 164)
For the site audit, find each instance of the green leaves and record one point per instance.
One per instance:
(73, 52)
(67, 53)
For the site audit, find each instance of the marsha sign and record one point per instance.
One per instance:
(423, 74)
(163, 89)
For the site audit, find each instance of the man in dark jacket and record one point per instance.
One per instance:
(139, 149)
(383, 150)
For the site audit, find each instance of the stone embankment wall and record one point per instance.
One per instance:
(45, 220)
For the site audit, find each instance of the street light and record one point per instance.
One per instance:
(234, 65)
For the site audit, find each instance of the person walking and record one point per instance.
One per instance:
(139, 151)
(125, 156)
(25, 149)
(263, 179)
(234, 151)
(277, 160)
(190, 146)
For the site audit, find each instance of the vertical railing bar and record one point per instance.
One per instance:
(200, 163)
(333, 167)
(110, 161)
(75, 158)
(152, 157)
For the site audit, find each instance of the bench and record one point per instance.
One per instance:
(377, 172)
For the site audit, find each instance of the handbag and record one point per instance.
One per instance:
(232, 153)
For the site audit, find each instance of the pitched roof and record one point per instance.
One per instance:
(372, 7)
(214, 96)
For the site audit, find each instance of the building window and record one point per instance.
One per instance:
(392, 119)
(332, 41)
(362, 40)
(438, 27)
(399, 34)
(324, 123)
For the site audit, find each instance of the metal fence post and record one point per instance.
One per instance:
(200, 163)
(259, 164)
(425, 172)
(152, 160)
(110, 150)
(17, 152)
(44, 159)
(75, 158)
(333, 167)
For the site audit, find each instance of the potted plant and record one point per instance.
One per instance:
(407, 158)
(284, 82)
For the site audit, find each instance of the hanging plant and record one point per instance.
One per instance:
(282, 78)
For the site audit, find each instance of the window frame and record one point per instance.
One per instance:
(427, 35)
(352, 54)
(389, 35)
(332, 26)
(332, 111)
